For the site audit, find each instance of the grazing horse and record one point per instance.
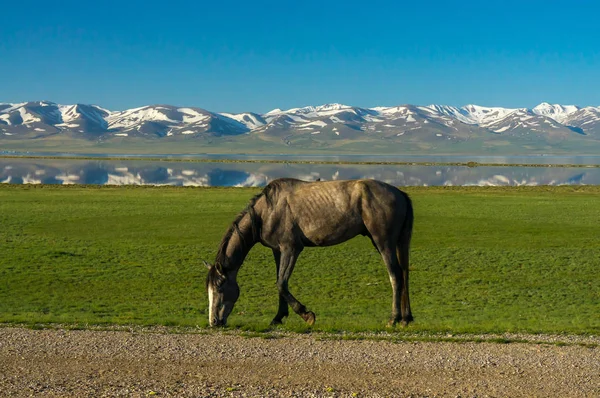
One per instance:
(289, 215)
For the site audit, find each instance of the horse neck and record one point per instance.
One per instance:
(241, 241)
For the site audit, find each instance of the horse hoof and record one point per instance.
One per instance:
(309, 317)
(393, 323)
(276, 322)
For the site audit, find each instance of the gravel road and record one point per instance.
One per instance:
(57, 362)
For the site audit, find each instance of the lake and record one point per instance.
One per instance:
(197, 173)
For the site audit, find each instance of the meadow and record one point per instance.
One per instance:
(483, 260)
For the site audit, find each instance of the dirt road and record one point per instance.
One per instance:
(216, 364)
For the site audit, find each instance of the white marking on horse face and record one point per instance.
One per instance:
(210, 304)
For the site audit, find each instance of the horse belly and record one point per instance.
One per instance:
(326, 213)
(332, 229)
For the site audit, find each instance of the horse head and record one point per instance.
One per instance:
(223, 291)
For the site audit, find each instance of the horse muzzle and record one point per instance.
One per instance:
(216, 323)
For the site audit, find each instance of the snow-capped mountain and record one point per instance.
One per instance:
(41, 119)
(329, 121)
(168, 121)
(560, 113)
(30, 114)
(586, 119)
(524, 122)
(431, 126)
(250, 120)
(91, 121)
(89, 118)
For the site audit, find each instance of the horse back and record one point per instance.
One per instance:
(330, 212)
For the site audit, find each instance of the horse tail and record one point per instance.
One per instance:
(402, 251)
(407, 224)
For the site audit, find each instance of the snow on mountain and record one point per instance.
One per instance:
(311, 112)
(330, 121)
(36, 115)
(29, 119)
(484, 116)
(132, 118)
(193, 116)
(90, 118)
(524, 121)
(587, 120)
(557, 112)
(328, 114)
(460, 114)
(404, 114)
(167, 120)
(248, 119)
(432, 122)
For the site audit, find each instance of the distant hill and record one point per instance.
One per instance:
(435, 129)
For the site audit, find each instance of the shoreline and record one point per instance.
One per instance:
(150, 158)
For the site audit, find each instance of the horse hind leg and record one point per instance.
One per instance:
(390, 258)
(402, 251)
(391, 261)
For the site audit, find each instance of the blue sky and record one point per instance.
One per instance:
(256, 56)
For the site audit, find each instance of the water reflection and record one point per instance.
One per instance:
(131, 172)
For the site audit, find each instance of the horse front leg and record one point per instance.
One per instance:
(283, 311)
(286, 267)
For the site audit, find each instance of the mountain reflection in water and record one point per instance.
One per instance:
(139, 172)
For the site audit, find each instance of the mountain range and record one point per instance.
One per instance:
(433, 128)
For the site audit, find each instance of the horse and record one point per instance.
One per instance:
(289, 215)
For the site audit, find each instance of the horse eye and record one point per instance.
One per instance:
(219, 285)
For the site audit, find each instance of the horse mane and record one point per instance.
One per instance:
(270, 193)
(221, 260)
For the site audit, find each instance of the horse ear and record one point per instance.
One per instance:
(207, 265)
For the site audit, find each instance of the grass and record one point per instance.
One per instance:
(484, 260)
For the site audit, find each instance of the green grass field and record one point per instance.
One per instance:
(483, 260)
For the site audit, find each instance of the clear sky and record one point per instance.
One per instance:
(235, 56)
